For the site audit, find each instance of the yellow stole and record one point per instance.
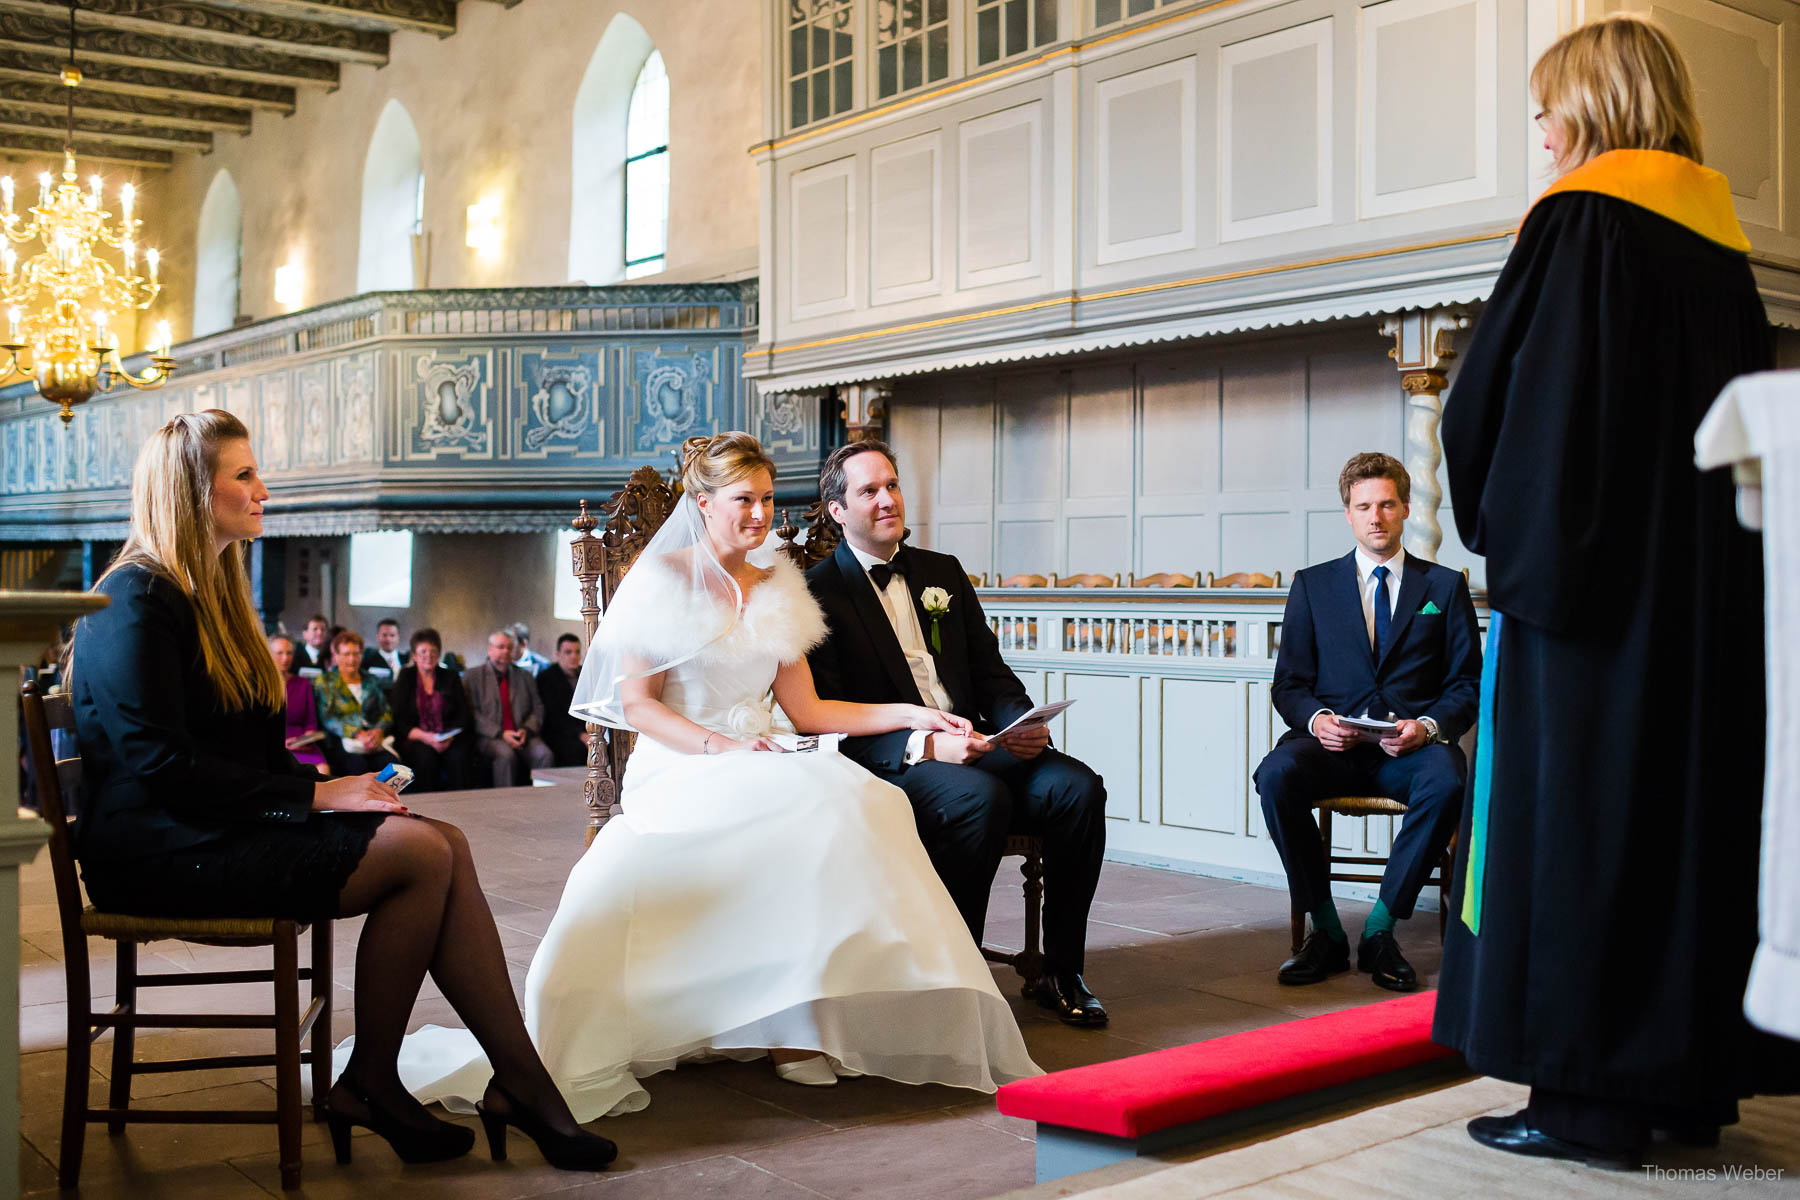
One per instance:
(1669, 185)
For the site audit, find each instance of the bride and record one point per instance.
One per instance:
(748, 900)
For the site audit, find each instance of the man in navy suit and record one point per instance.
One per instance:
(1380, 634)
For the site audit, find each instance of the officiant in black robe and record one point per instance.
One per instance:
(1607, 868)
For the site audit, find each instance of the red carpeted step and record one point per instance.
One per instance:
(1132, 1097)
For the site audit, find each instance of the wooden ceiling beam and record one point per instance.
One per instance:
(139, 111)
(150, 83)
(38, 124)
(36, 35)
(87, 150)
(388, 16)
(220, 27)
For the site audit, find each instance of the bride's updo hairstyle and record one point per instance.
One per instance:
(710, 463)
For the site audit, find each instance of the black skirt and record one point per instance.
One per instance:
(293, 871)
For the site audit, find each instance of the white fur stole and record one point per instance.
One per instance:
(659, 615)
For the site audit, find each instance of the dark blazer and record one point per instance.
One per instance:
(861, 660)
(164, 766)
(372, 658)
(562, 732)
(305, 656)
(481, 683)
(403, 698)
(1433, 663)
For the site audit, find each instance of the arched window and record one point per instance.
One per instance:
(597, 152)
(219, 250)
(393, 193)
(647, 171)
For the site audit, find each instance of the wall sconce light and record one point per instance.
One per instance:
(288, 286)
(484, 225)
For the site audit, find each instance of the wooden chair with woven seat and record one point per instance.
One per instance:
(1163, 579)
(1023, 581)
(57, 779)
(1368, 806)
(1243, 579)
(1089, 580)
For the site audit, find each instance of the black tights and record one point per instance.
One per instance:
(426, 912)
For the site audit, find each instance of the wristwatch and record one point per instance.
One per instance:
(1431, 730)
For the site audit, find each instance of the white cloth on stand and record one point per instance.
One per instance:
(1756, 420)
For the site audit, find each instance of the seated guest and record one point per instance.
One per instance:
(302, 715)
(312, 657)
(431, 719)
(509, 717)
(1379, 634)
(566, 735)
(385, 658)
(193, 808)
(523, 654)
(353, 710)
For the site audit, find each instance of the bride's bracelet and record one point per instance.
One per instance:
(706, 744)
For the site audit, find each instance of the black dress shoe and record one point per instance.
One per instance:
(1068, 997)
(1379, 955)
(1319, 959)
(1515, 1135)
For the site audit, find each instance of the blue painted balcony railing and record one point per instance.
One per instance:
(439, 411)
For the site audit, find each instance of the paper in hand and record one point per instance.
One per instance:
(1036, 718)
(1370, 726)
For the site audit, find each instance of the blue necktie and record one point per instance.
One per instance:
(1383, 618)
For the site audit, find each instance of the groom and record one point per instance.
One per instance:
(967, 793)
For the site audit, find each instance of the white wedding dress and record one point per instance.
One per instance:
(746, 901)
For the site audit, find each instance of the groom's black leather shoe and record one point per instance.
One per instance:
(1319, 959)
(1515, 1135)
(1068, 997)
(1379, 955)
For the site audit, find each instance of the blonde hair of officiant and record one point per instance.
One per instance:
(1618, 83)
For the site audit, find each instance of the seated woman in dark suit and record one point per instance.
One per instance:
(353, 710)
(194, 807)
(428, 703)
(301, 714)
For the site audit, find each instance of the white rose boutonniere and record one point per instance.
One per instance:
(936, 602)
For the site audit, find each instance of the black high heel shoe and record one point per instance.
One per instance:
(578, 1151)
(412, 1143)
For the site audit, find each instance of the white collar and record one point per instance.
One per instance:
(1365, 566)
(866, 559)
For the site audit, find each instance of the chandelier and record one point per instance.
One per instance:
(59, 304)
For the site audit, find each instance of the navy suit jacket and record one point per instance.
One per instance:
(1432, 667)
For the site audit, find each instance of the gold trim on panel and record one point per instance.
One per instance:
(969, 81)
(1078, 298)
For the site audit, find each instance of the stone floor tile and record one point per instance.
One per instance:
(851, 1102)
(942, 1155)
(724, 1178)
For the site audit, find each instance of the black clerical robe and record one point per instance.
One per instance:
(1607, 868)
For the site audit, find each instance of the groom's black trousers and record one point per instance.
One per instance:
(965, 814)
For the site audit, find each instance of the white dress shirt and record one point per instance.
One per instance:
(392, 659)
(896, 602)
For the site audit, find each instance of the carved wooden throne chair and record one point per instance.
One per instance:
(822, 537)
(628, 521)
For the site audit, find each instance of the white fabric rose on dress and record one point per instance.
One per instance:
(749, 719)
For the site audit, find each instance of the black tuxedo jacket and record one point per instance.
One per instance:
(1433, 663)
(306, 656)
(861, 660)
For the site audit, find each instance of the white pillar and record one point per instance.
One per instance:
(1424, 342)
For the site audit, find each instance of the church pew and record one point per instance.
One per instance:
(1090, 1116)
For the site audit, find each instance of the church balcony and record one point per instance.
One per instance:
(446, 411)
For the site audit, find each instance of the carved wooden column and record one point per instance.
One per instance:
(1424, 343)
(588, 552)
(865, 409)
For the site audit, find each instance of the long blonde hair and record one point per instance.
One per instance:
(1618, 83)
(172, 534)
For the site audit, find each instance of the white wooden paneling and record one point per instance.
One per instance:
(1259, 541)
(1000, 196)
(1275, 132)
(970, 541)
(1100, 435)
(823, 207)
(905, 224)
(1327, 535)
(1100, 731)
(1353, 404)
(1098, 544)
(967, 458)
(1033, 421)
(917, 426)
(1262, 425)
(1427, 104)
(1189, 545)
(1203, 762)
(1735, 59)
(1180, 423)
(1026, 547)
(1144, 140)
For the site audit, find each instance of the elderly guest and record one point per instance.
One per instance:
(431, 718)
(302, 715)
(194, 808)
(353, 710)
(1607, 865)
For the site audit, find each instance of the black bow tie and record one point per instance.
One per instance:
(880, 573)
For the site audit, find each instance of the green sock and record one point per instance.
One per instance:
(1325, 921)
(1380, 920)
